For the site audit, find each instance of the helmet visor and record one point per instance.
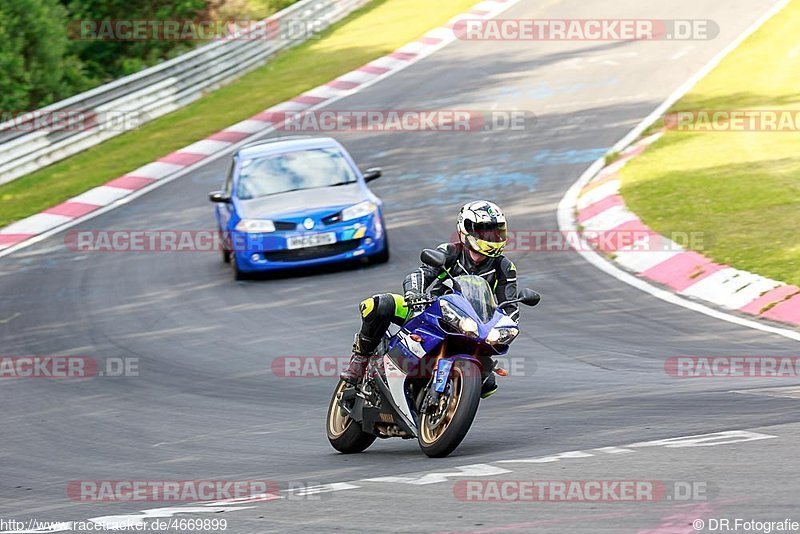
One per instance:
(489, 232)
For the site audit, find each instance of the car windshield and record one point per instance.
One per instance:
(478, 293)
(291, 171)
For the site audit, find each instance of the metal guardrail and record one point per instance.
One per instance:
(153, 92)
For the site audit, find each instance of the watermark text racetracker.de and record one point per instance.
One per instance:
(399, 120)
(634, 240)
(161, 240)
(593, 491)
(18, 367)
(586, 29)
(333, 366)
(182, 491)
(71, 120)
(733, 366)
(735, 120)
(131, 30)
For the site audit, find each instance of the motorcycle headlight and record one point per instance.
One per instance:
(457, 318)
(255, 226)
(502, 335)
(361, 209)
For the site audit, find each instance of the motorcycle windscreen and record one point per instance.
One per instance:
(478, 293)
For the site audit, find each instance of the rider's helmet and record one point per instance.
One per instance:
(482, 228)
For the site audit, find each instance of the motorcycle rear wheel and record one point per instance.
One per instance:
(442, 432)
(344, 434)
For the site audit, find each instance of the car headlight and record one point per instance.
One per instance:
(255, 226)
(502, 335)
(361, 209)
(457, 318)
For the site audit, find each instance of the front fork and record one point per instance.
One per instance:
(438, 385)
(440, 380)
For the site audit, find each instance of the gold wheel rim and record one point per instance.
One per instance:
(430, 436)
(337, 423)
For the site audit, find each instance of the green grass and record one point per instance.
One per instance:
(742, 189)
(376, 30)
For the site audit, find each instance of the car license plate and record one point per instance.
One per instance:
(310, 240)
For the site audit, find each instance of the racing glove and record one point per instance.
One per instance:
(413, 298)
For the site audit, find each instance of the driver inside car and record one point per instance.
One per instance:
(482, 237)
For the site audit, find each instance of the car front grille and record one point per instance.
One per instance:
(312, 253)
(285, 225)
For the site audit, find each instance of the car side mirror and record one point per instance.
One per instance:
(219, 197)
(432, 257)
(529, 297)
(372, 174)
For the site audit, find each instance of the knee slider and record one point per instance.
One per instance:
(367, 306)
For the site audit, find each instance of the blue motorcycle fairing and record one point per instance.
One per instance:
(463, 304)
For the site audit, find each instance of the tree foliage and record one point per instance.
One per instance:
(43, 61)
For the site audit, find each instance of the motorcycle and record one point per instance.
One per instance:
(425, 381)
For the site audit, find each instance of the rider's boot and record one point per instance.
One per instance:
(489, 386)
(363, 347)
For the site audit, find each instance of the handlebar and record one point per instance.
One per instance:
(422, 301)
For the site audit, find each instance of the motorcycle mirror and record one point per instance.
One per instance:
(529, 297)
(432, 257)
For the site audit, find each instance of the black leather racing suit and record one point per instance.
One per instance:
(379, 311)
(500, 273)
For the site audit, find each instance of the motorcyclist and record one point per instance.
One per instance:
(482, 238)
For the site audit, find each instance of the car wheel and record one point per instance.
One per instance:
(237, 274)
(383, 255)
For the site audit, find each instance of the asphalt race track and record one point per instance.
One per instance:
(207, 406)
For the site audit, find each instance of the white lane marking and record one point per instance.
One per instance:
(566, 220)
(129, 521)
(706, 440)
(64, 526)
(7, 319)
(682, 52)
(613, 450)
(548, 459)
(611, 59)
(788, 392)
(700, 74)
(702, 440)
(566, 223)
(475, 470)
(323, 488)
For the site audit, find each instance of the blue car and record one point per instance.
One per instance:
(298, 202)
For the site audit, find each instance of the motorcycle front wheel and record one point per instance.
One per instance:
(344, 434)
(442, 431)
